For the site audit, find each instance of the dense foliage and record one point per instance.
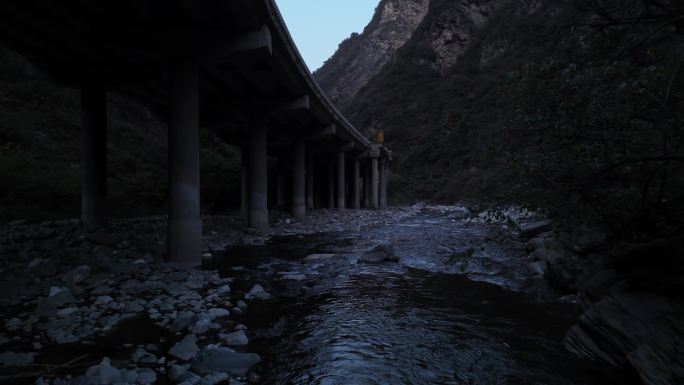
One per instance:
(40, 152)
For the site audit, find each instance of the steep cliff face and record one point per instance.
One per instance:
(555, 105)
(362, 56)
(421, 87)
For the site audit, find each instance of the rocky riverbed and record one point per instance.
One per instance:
(422, 294)
(103, 308)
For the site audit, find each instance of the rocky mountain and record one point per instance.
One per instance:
(571, 107)
(361, 57)
(420, 65)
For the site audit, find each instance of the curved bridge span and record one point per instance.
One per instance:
(228, 65)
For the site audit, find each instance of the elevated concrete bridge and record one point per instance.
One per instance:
(228, 65)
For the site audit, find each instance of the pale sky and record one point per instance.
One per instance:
(319, 26)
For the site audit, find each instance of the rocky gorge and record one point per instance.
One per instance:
(556, 124)
(488, 101)
(102, 308)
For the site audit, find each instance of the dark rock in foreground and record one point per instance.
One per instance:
(224, 360)
(633, 328)
(535, 228)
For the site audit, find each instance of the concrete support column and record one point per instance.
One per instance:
(244, 184)
(280, 184)
(310, 182)
(299, 179)
(341, 191)
(374, 184)
(258, 175)
(366, 188)
(356, 201)
(93, 156)
(318, 186)
(331, 186)
(383, 184)
(185, 226)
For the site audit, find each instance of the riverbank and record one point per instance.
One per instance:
(66, 293)
(631, 294)
(102, 307)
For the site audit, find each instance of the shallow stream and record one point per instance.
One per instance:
(461, 307)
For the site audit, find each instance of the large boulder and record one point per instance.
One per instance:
(186, 349)
(381, 252)
(237, 338)
(11, 358)
(258, 292)
(76, 275)
(535, 228)
(633, 328)
(103, 374)
(224, 360)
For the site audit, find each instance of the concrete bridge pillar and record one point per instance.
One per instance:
(310, 182)
(374, 184)
(93, 155)
(319, 180)
(258, 175)
(356, 196)
(331, 185)
(185, 226)
(366, 187)
(383, 184)
(299, 179)
(244, 184)
(341, 191)
(280, 184)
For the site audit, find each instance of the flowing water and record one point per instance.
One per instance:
(481, 318)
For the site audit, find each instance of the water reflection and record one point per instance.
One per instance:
(350, 323)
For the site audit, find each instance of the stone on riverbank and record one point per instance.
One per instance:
(258, 292)
(224, 360)
(381, 252)
(238, 338)
(11, 358)
(186, 349)
(535, 228)
(76, 275)
(318, 257)
(632, 328)
(103, 374)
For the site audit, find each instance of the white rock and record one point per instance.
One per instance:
(201, 326)
(104, 373)
(295, 277)
(217, 313)
(67, 311)
(257, 292)
(146, 376)
(11, 358)
(77, 275)
(103, 300)
(214, 379)
(13, 324)
(56, 290)
(186, 349)
(238, 338)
